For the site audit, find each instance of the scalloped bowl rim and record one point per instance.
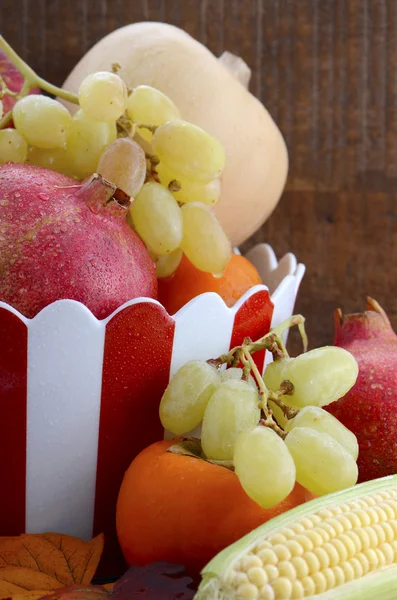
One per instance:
(187, 307)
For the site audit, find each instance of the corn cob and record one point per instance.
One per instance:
(340, 546)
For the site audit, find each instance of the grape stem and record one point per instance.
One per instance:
(31, 80)
(151, 128)
(273, 342)
(264, 394)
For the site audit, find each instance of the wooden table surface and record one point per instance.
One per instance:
(327, 72)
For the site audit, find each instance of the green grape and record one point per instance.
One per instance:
(273, 374)
(167, 264)
(264, 466)
(230, 410)
(188, 151)
(236, 373)
(186, 397)
(316, 418)
(208, 193)
(57, 159)
(43, 122)
(190, 191)
(103, 96)
(13, 147)
(157, 218)
(319, 377)
(150, 106)
(124, 164)
(87, 141)
(204, 241)
(322, 465)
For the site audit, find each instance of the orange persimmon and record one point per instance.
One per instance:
(184, 510)
(188, 282)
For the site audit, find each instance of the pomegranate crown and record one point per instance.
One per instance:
(373, 323)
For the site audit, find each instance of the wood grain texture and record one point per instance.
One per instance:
(327, 72)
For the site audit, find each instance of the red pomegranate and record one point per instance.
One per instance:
(62, 239)
(369, 409)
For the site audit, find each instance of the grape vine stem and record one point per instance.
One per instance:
(271, 341)
(31, 80)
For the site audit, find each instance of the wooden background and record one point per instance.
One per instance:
(327, 72)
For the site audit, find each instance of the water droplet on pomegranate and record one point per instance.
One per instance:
(43, 196)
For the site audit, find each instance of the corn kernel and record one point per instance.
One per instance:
(380, 533)
(304, 541)
(381, 558)
(282, 552)
(312, 562)
(322, 532)
(267, 593)
(257, 576)
(308, 586)
(250, 561)
(295, 548)
(329, 529)
(301, 566)
(298, 590)
(279, 538)
(337, 525)
(339, 576)
(314, 536)
(373, 540)
(388, 553)
(262, 546)
(381, 513)
(320, 582)
(282, 587)
(271, 572)
(357, 567)
(329, 577)
(355, 539)
(340, 548)
(344, 521)
(268, 557)
(247, 591)
(364, 538)
(354, 520)
(239, 579)
(372, 558)
(364, 562)
(348, 570)
(332, 553)
(322, 557)
(393, 546)
(349, 544)
(286, 569)
(325, 513)
(297, 528)
(365, 521)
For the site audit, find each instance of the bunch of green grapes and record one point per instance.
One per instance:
(138, 141)
(312, 448)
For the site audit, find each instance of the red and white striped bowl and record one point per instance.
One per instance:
(79, 397)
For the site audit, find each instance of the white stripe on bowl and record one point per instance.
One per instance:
(65, 345)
